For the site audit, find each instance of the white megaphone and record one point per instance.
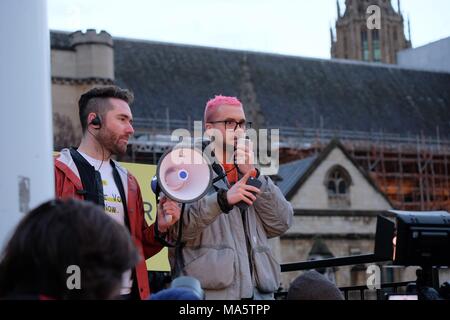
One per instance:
(183, 175)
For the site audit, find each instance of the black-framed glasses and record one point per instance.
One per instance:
(232, 124)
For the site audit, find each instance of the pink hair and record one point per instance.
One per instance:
(220, 100)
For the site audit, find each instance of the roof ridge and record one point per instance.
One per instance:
(264, 53)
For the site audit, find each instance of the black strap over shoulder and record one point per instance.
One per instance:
(121, 189)
(90, 179)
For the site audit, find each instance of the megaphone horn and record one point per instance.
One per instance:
(183, 175)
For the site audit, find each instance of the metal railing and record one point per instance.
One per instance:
(394, 286)
(345, 261)
(298, 137)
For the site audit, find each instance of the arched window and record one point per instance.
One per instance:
(338, 183)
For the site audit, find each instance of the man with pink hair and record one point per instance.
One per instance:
(225, 234)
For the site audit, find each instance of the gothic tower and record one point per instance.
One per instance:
(356, 41)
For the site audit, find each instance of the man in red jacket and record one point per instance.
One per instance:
(89, 173)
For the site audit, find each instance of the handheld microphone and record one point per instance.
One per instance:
(251, 180)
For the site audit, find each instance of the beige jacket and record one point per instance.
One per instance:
(215, 250)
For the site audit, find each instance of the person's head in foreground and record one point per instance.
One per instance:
(66, 249)
(182, 288)
(312, 285)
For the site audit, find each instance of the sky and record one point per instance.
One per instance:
(292, 27)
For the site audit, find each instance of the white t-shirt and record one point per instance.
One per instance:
(113, 204)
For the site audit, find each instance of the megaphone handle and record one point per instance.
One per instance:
(167, 217)
(240, 173)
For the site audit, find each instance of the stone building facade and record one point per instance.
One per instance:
(83, 61)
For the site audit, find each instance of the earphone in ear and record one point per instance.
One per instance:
(97, 121)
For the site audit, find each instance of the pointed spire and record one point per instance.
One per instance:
(338, 6)
(409, 30)
(331, 34)
(399, 7)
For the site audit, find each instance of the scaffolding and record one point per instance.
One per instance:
(413, 172)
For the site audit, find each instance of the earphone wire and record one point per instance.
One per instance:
(103, 151)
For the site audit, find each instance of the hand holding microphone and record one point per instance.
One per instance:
(244, 156)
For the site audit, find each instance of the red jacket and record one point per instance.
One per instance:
(67, 182)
